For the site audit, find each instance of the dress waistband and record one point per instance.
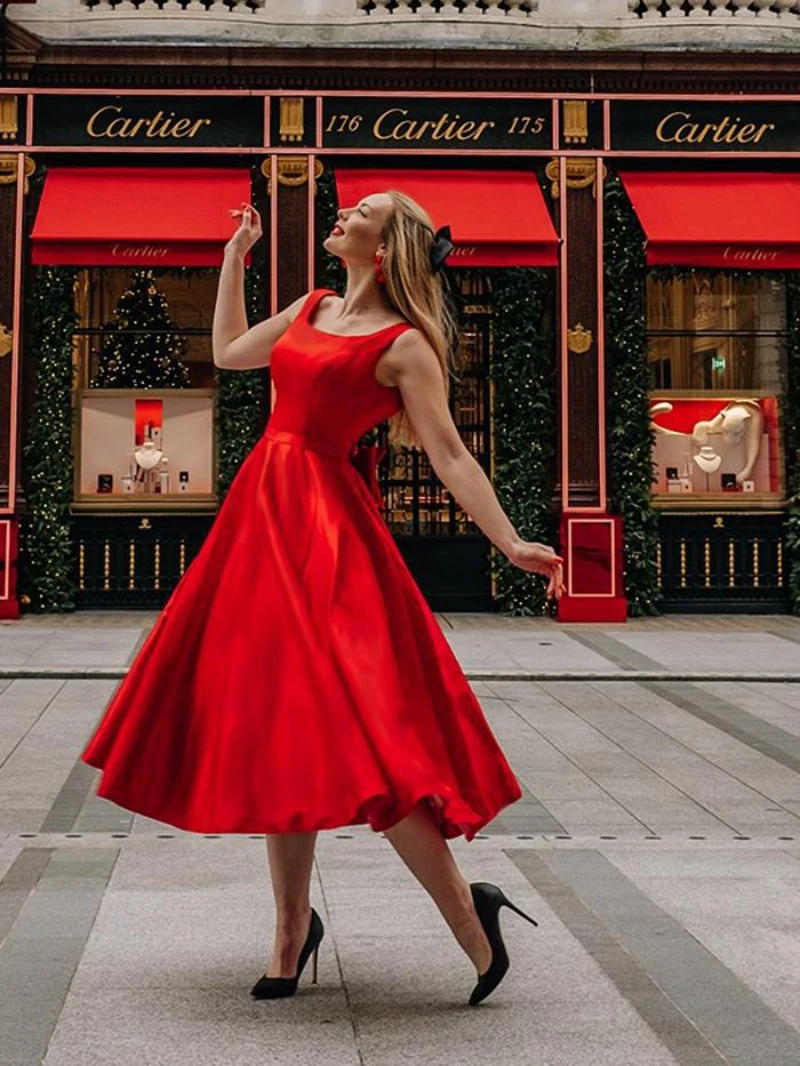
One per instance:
(303, 440)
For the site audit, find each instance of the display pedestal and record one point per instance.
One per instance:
(9, 539)
(591, 545)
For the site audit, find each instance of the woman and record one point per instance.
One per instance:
(322, 690)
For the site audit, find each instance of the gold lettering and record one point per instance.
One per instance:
(660, 134)
(101, 125)
(121, 127)
(763, 129)
(393, 125)
(727, 131)
(376, 128)
(404, 130)
(485, 125)
(744, 131)
(90, 124)
(718, 135)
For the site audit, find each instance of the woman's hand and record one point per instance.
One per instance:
(249, 230)
(540, 559)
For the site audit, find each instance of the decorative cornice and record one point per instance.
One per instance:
(530, 26)
(435, 69)
(22, 47)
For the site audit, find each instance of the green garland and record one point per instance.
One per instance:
(630, 437)
(243, 395)
(522, 371)
(46, 564)
(242, 398)
(329, 271)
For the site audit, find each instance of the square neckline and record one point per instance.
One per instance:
(327, 333)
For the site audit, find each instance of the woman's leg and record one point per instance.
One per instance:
(421, 846)
(291, 858)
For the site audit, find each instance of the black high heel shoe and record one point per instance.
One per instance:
(488, 900)
(276, 987)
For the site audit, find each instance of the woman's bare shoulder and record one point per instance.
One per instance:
(407, 350)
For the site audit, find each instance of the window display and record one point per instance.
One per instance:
(145, 426)
(716, 351)
(715, 444)
(149, 447)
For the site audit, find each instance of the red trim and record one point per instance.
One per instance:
(717, 219)
(497, 218)
(137, 216)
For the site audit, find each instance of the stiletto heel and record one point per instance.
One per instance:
(275, 987)
(488, 899)
(508, 903)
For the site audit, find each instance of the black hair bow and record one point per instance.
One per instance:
(442, 247)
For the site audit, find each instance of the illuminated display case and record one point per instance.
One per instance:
(717, 445)
(716, 351)
(145, 394)
(145, 447)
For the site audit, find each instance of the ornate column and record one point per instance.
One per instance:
(15, 168)
(289, 223)
(591, 539)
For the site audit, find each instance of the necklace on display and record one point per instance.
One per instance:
(148, 455)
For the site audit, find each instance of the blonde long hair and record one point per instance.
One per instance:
(418, 294)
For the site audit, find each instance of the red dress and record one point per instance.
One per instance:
(296, 678)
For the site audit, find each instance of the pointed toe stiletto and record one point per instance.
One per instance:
(488, 900)
(277, 987)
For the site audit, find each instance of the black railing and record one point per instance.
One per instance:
(723, 561)
(134, 560)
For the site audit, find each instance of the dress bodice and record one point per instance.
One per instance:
(325, 382)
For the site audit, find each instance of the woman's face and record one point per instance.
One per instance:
(356, 237)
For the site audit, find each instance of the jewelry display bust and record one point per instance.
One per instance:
(147, 455)
(707, 459)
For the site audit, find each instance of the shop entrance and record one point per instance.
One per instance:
(446, 551)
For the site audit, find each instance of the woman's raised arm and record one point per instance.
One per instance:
(234, 346)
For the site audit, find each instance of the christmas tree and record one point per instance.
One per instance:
(151, 359)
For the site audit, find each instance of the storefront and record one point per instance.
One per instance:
(627, 268)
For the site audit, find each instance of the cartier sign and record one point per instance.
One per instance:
(705, 126)
(448, 124)
(148, 121)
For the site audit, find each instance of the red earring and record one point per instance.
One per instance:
(380, 277)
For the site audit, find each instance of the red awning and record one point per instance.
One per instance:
(137, 216)
(748, 220)
(496, 217)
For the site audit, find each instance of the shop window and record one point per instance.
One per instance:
(144, 374)
(716, 350)
(418, 503)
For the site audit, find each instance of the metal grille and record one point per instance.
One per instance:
(417, 503)
(723, 561)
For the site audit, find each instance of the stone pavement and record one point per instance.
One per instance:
(656, 843)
